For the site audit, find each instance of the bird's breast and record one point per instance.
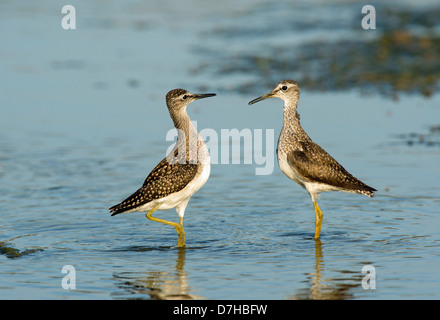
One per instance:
(288, 170)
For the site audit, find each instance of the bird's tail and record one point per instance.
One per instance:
(117, 209)
(128, 204)
(367, 191)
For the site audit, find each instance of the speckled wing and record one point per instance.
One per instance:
(316, 165)
(166, 178)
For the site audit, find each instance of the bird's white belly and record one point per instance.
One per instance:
(312, 187)
(173, 200)
(287, 169)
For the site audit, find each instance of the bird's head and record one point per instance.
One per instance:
(286, 90)
(180, 98)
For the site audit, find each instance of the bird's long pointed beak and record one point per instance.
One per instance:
(263, 97)
(203, 95)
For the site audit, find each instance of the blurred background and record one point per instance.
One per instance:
(83, 120)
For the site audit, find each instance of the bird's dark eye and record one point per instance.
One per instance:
(284, 88)
(184, 97)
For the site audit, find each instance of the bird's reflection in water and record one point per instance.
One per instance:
(158, 285)
(322, 288)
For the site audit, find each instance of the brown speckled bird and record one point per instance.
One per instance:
(304, 161)
(180, 174)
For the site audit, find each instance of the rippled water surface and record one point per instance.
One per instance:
(83, 121)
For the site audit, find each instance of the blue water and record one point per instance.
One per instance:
(83, 121)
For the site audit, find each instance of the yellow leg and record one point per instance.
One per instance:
(179, 227)
(181, 242)
(318, 219)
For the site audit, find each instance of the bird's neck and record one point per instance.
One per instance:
(292, 131)
(290, 115)
(182, 122)
(189, 141)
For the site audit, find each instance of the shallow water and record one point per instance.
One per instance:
(83, 120)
